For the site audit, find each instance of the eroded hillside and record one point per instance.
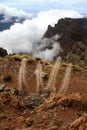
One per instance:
(48, 109)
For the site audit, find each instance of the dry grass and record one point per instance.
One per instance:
(17, 57)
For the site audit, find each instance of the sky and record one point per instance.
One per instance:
(37, 5)
(28, 36)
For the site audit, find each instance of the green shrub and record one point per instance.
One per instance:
(76, 68)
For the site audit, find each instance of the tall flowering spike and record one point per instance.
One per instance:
(23, 86)
(53, 75)
(39, 80)
(66, 80)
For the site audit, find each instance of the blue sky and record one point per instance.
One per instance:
(38, 5)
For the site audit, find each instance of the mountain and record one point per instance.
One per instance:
(6, 22)
(71, 30)
(9, 16)
(78, 54)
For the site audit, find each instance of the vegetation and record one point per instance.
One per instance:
(53, 75)
(23, 86)
(39, 80)
(30, 106)
(63, 87)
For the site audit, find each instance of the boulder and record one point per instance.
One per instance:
(3, 52)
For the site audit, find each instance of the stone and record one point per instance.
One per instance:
(1, 87)
(4, 88)
(3, 52)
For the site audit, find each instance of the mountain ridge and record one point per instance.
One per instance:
(71, 30)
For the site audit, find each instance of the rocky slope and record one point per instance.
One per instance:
(78, 54)
(71, 30)
(66, 111)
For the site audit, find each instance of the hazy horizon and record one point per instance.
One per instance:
(35, 6)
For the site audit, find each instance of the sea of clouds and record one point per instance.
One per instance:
(27, 37)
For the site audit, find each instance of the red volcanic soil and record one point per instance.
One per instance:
(58, 112)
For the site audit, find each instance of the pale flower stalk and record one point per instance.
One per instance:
(53, 75)
(66, 79)
(39, 79)
(23, 86)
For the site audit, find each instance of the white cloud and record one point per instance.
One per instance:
(9, 12)
(26, 36)
(48, 48)
(69, 1)
(26, 1)
(79, 0)
(31, 0)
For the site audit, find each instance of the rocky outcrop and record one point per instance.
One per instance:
(70, 31)
(3, 52)
(78, 55)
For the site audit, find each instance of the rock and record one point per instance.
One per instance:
(4, 88)
(1, 87)
(3, 52)
(33, 100)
